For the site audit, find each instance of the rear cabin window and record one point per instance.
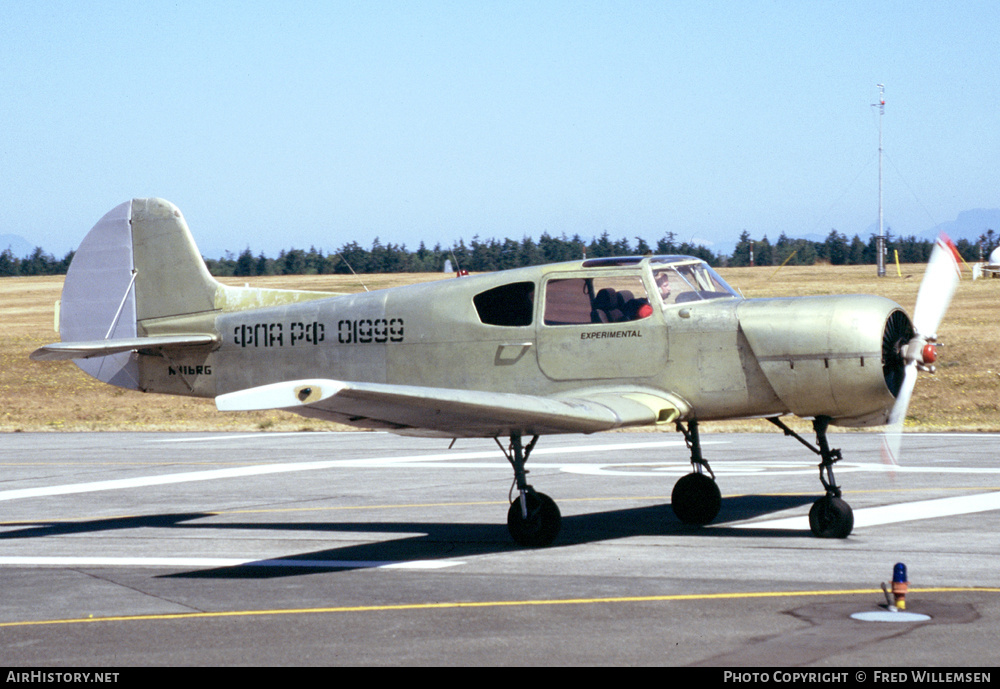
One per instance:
(605, 299)
(510, 305)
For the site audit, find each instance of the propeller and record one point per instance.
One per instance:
(919, 352)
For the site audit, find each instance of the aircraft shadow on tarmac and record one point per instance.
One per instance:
(441, 540)
(42, 528)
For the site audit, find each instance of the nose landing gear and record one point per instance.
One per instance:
(830, 516)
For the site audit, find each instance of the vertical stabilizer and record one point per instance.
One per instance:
(137, 264)
(172, 279)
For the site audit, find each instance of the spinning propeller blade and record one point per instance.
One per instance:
(936, 290)
(893, 435)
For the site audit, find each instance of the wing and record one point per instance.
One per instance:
(459, 413)
(61, 351)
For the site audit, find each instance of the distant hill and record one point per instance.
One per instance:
(968, 225)
(18, 245)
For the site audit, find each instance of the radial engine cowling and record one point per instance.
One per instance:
(830, 356)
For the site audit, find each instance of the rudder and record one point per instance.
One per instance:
(139, 263)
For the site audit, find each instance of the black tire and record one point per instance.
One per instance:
(831, 518)
(696, 499)
(542, 525)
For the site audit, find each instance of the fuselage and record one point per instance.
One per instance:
(552, 330)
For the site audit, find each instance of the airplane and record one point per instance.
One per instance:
(578, 347)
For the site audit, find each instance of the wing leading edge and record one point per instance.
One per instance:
(459, 413)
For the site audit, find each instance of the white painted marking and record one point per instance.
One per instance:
(262, 469)
(952, 435)
(29, 561)
(927, 509)
(889, 616)
(891, 514)
(897, 469)
(751, 467)
(680, 468)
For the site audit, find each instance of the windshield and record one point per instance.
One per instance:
(681, 279)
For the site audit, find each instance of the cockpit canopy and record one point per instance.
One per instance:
(681, 279)
(603, 290)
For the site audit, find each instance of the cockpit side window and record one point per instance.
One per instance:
(508, 305)
(598, 299)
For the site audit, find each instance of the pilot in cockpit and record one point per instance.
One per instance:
(663, 284)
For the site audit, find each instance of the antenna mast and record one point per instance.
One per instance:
(880, 245)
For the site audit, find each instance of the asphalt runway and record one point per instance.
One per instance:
(140, 549)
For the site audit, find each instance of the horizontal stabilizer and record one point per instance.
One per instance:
(62, 351)
(456, 412)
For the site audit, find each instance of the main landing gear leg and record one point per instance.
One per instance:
(830, 516)
(696, 498)
(533, 518)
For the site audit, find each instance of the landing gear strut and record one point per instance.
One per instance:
(696, 498)
(830, 516)
(533, 518)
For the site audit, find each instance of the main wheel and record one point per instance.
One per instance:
(696, 499)
(831, 517)
(541, 526)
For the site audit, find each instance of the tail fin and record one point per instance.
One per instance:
(138, 264)
(172, 279)
(138, 285)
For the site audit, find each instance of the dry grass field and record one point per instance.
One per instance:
(964, 394)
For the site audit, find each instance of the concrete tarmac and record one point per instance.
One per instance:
(296, 549)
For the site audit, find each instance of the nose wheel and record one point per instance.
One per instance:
(830, 516)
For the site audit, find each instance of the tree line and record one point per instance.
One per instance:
(837, 250)
(38, 262)
(478, 255)
(484, 255)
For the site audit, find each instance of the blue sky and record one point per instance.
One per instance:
(297, 124)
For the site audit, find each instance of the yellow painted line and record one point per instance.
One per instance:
(423, 504)
(487, 604)
(619, 499)
(342, 508)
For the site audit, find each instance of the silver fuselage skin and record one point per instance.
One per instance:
(723, 357)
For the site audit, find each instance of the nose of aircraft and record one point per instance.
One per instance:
(838, 357)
